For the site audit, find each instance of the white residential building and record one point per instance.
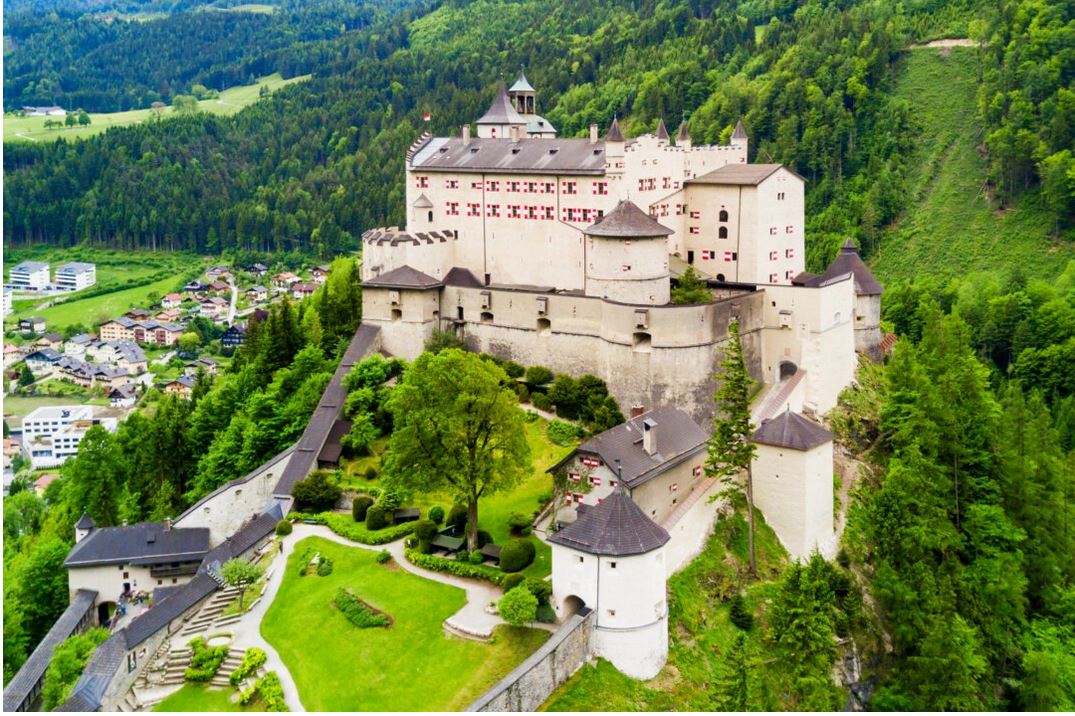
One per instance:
(7, 302)
(75, 276)
(50, 435)
(30, 276)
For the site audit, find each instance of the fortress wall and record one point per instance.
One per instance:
(533, 681)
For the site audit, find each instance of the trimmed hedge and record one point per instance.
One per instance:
(272, 693)
(205, 661)
(436, 514)
(451, 566)
(457, 516)
(283, 528)
(359, 507)
(425, 530)
(253, 659)
(354, 531)
(512, 581)
(517, 555)
(376, 517)
(358, 612)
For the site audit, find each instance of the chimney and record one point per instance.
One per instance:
(167, 523)
(649, 436)
(637, 410)
(466, 134)
(514, 132)
(593, 134)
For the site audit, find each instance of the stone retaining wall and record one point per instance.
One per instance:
(533, 681)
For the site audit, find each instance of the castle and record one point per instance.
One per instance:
(561, 252)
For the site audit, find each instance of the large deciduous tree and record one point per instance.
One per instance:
(730, 449)
(457, 425)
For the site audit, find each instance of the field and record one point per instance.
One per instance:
(410, 666)
(949, 228)
(495, 510)
(230, 101)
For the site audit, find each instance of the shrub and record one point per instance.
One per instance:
(517, 521)
(484, 538)
(376, 519)
(324, 566)
(512, 581)
(517, 555)
(524, 394)
(518, 607)
(317, 492)
(253, 660)
(283, 528)
(540, 588)
(205, 660)
(360, 507)
(436, 514)
(545, 614)
(410, 542)
(457, 516)
(538, 375)
(67, 663)
(561, 433)
(371, 473)
(462, 555)
(541, 401)
(364, 535)
(373, 492)
(476, 557)
(358, 612)
(383, 556)
(271, 692)
(425, 530)
(513, 369)
(390, 501)
(544, 498)
(526, 531)
(451, 566)
(531, 417)
(739, 613)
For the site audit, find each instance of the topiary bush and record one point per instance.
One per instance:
(376, 518)
(317, 492)
(283, 528)
(360, 506)
(457, 516)
(271, 692)
(513, 369)
(253, 659)
(436, 514)
(512, 581)
(358, 612)
(205, 660)
(452, 566)
(545, 614)
(518, 607)
(476, 557)
(541, 401)
(526, 531)
(383, 556)
(538, 375)
(517, 555)
(324, 566)
(371, 473)
(425, 530)
(517, 520)
(539, 588)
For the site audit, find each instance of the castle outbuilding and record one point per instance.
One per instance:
(792, 474)
(612, 560)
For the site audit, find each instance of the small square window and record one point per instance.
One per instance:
(612, 612)
(579, 559)
(612, 565)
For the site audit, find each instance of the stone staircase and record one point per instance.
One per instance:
(777, 399)
(231, 663)
(208, 617)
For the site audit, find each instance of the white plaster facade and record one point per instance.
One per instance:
(794, 490)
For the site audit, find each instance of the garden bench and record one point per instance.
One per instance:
(308, 521)
(448, 544)
(491, 551)
(407, 514)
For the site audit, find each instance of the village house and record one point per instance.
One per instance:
(319, 273)
(51, 434)
(218, 272)
(181, 386)
(257, 269)
(76, 346)
(123, 396)
(218, 286)
(214, 308)
(301, 290)
(169, 315)
(233, 336)
(140, 330)
(42, 483)
(49, 111)
(196, 286)
(49, 340)
(207, 364)
(257, 294)
(172, 300)
(13, 354)
(40, 362)
(283, 280)
(35, 324)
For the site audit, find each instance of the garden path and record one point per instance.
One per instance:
(471, 620)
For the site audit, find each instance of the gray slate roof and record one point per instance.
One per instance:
(142, 543)
(662, 131)
(683, 135)
(738, 174)
(30, 266)
(848, 261)
(616, 527)
(678, 437)
(504, 156)
(501, 111)
(522, 84)
(459, 276)
(739, 132)
(403, 277)
(85, 522)
(614, 133)
(791, 430)
(627, 221)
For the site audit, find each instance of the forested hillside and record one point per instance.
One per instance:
(102, 64)
(316, 165)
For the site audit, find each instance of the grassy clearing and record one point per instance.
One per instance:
(700, 634)
(198, 697)
(410, 666)
(949, 228)
(230, 101)
(93, 311)
(495, 510)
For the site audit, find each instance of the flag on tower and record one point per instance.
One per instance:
(426, 116)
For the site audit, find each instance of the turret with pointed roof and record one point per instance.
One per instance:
(500, 117)
(662, 131)
(627, 221)
(848, 261)
(683, 136)
(614, 133)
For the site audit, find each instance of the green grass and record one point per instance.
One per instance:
(950, 228)
(700, 633)
(92, 311)
(230, 101)
(495, 510)
(198, 697)
(411, 666)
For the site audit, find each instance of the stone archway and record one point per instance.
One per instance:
(787, 369)
(104, 612)
(572, 605)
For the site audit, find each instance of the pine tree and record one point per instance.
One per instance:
(730, 451)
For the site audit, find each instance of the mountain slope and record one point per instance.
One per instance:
(949, 228)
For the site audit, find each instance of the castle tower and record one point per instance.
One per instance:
(611, 560)
(615, 147)
(501, 120)
(792, 473)
(83, 527)
(662, 132)
(627, 257)
(867, 299)
(523, 96)
(683, 136)
(739, 138)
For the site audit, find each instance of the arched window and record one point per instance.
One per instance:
(431, 216)
(722, 232)
(723, 216)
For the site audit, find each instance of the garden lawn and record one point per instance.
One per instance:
(198, 697)
(410, 666)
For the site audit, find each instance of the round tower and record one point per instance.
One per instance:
(627, 257)
(611, 561)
